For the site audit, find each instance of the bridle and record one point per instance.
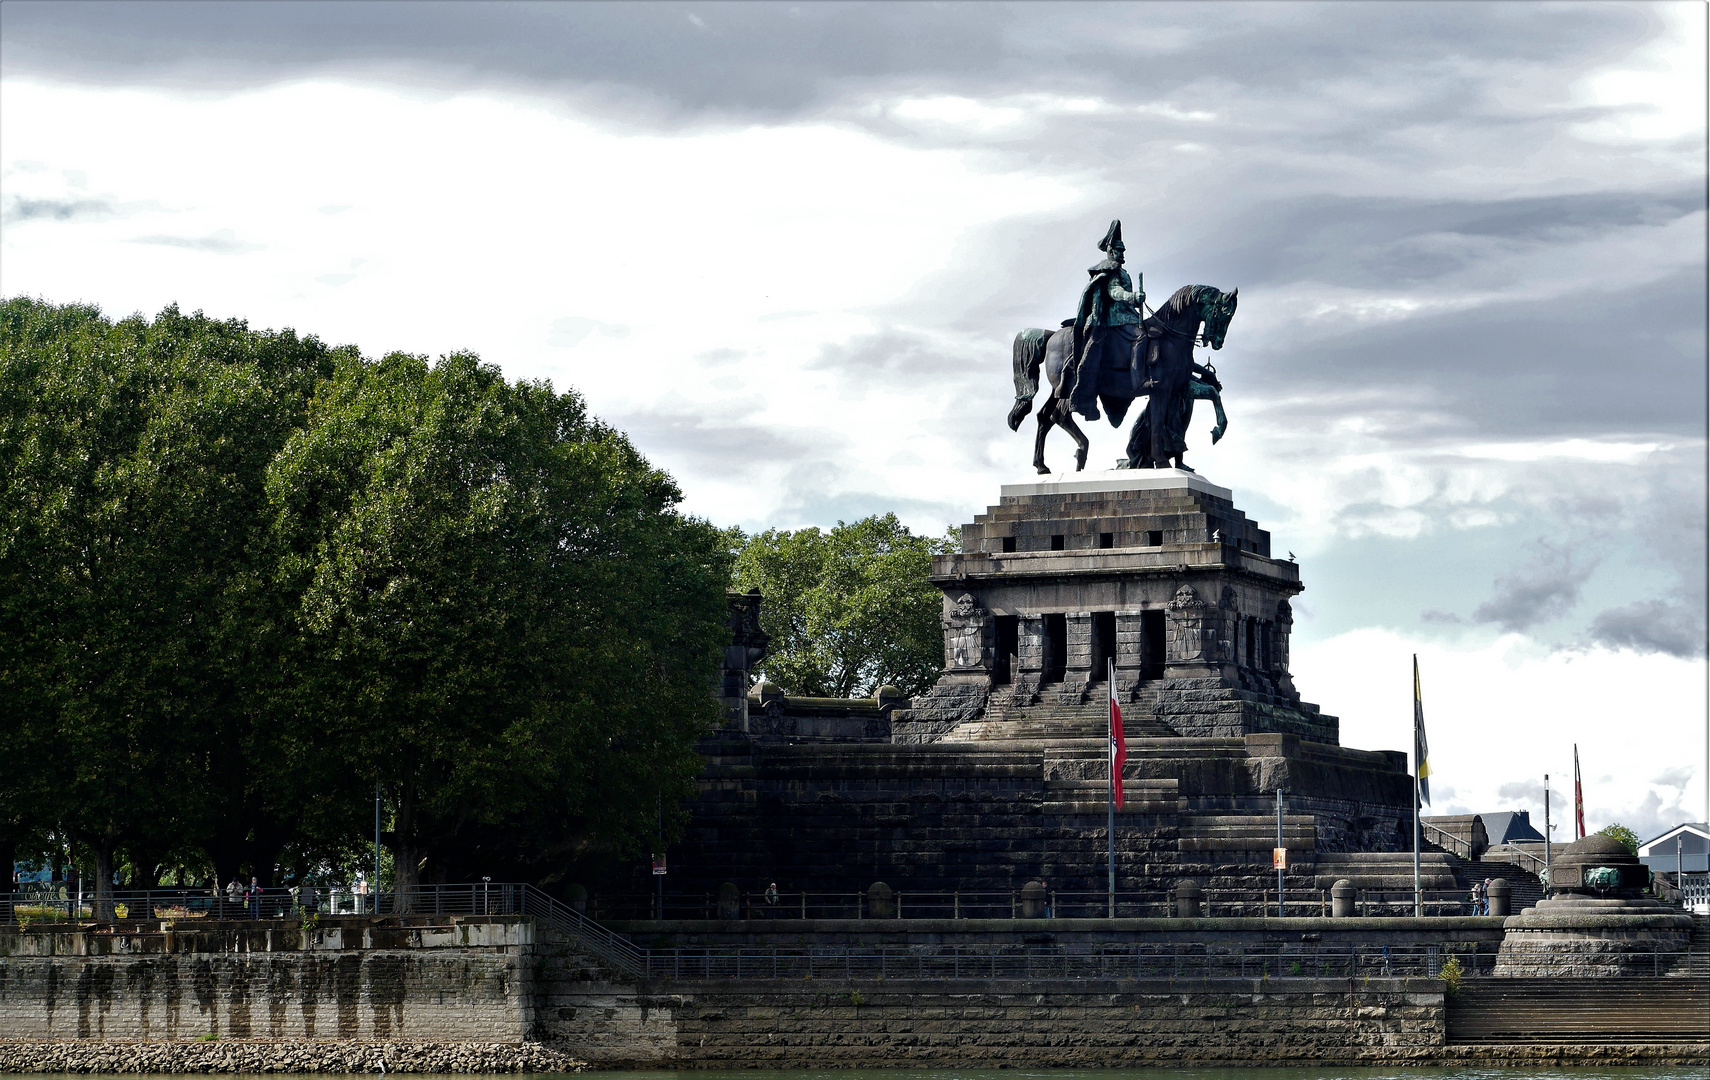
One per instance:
(1195, 340)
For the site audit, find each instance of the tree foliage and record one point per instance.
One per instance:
(1629, 839)
(245, 577)
(499, 606)
(848, 610)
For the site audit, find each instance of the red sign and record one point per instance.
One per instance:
(658, 866)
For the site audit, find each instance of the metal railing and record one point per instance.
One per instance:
(1114, 960)
(1445, 839)
(1062, 904)
(58, 902)
(978, 960)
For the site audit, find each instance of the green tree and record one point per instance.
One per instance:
(136, 638)
(1629, 839)
(847, 610)
(506, 624)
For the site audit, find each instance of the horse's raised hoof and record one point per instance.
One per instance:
(1080, 459)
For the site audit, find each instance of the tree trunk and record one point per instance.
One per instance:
(8, 858)
(103, 881)
(404, 853)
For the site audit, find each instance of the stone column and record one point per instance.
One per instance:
(970, 636)
(1077, 653)
(1343, 896)
(1130, 652)
(1029, 656)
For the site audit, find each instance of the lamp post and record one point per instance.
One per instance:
(1547, 828)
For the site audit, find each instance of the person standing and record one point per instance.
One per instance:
(254, 895)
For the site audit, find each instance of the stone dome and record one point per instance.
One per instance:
(1600, 850)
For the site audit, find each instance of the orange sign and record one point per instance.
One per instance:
(1279, 858)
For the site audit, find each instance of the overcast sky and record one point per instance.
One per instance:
(786, 248)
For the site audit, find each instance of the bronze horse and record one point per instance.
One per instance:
(1162, 370)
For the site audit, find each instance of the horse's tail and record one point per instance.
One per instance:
(1029, 354)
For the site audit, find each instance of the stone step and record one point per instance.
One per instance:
(1524, 889)
(1387, 870)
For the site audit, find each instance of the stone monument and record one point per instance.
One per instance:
(1154, 570)
(1597, 919)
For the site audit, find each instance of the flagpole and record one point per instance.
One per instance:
(1418, 891)
(1110, 752)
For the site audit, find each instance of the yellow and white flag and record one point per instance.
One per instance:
(1421, 755)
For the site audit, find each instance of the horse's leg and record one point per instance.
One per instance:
(1140, 436)
(1067, 422)
(1222, 421)
(1047, 416)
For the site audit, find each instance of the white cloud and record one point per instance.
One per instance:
(1500, 711)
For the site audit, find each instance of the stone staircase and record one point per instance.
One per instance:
(1052, 718)
(1696, 964)
(1524, 889)
(1389, 871)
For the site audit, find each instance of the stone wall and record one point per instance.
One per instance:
(991, 816)
(975, 1024)
(469, 981)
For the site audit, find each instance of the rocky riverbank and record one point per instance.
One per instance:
(282, 1056)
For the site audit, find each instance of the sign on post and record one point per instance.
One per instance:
(658, 866)
(1279, 859)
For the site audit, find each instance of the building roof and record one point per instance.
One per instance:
(1514, 827)
(1699, 827)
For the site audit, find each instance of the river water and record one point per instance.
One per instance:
(1679, 1072)
(1674, 1072)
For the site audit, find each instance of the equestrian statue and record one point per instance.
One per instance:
(1112, 352)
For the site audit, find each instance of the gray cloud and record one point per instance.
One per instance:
(713, 444)
(1546, 588)
(1652, 626)
(223, 242)
(773, 59)
(1531, 792)
(22, 209)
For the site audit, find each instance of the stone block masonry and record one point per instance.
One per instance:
(974, 1024)
(271, 981)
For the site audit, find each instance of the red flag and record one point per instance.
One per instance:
(1578, 796)
(1118, 745)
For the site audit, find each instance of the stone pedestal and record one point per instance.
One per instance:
(1597, 920)
(1154, 572)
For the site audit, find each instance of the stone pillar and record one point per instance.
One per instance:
(881, 901)
(1499, 896)
(970, 636)
(1343, 896)
(1186, 628)
(747, 647)
(1285, 625)
(1033, 900)
(1189, 898)
(1077, 652)
(1196, 647)
(729, 901)
(1130, 653)
(1029, 655)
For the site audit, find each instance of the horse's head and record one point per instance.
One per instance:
(1215, 310)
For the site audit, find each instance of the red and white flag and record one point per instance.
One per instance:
(1578, 796)
(1118, 745)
